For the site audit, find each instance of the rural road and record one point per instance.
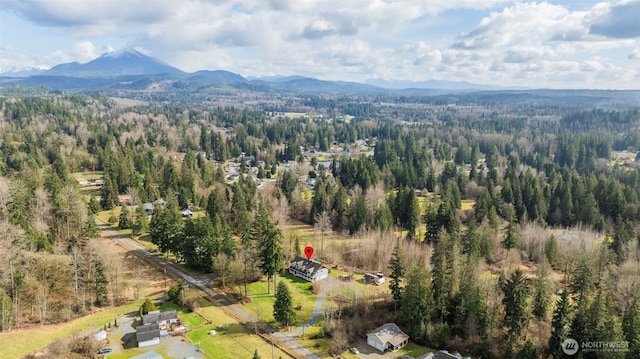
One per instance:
(286, 340)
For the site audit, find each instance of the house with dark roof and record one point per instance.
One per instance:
(309, 270)
(148, 334)
(443, 354)
(387, 338)
(160, 318)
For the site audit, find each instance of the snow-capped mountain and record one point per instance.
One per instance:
(113, 64)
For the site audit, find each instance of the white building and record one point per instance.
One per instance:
(308, 269)
(387, 338)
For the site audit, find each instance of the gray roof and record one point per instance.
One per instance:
(389, 333)
(157, 317)
(443, 354)
(147, 332)
(148, 355)
(305, 265)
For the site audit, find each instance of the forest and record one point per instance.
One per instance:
(506, 225)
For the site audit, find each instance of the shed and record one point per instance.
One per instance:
(101, 335)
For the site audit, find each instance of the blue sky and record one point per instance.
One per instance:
(552, 44)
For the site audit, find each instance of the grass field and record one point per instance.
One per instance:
(232, 340)
(87, 175)
(133, 352)
(18, 343)
(415, 350)
(262, 302)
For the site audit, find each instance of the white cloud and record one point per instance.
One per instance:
(523, 41)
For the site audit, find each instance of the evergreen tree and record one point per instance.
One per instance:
(541, 291)
(412, 215)
(94, 206)
(631, 328)
(100, 281)
(511, 232)
(146, 307)
(166, 227)
(528, 351)
(124, 222)
(396, 266)
(624, 232)
(6, 311)
(269, 241)
(255, 354)
(357, 213)
(551, 250)
(582, 279)
(471, 245)
(417, 304)
(559, 330)
(109, 195)
(91, 229)
(516, 294)
(445, 271)
(214, 207)
(174, 292)
(141, 221)
(469, 316)
(283, 311)
(296, 247)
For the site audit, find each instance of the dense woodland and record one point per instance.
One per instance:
(458, 274)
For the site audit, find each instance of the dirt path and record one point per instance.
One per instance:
(283, 340)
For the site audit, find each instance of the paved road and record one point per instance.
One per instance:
(240, 314)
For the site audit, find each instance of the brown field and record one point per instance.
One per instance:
(136, 280)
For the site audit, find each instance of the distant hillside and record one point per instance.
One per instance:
(430, 84)
(216, 76)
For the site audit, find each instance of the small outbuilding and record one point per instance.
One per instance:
(101, 335)
(387, 338)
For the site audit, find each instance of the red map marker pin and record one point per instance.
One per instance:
(308, 251)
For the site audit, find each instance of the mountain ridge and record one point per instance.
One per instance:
(131, 62)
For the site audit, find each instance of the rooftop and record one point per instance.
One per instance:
(310, 266)
(159, 316)
(389, 333)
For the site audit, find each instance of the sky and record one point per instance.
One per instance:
(550, 44)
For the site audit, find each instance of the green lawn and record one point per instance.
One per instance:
(18, 343)
(262, 303)
(232, 340)
(130, 353)
(415, 350)
(87, 176)
(467, 204)
(318, 346)
(190, 319)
